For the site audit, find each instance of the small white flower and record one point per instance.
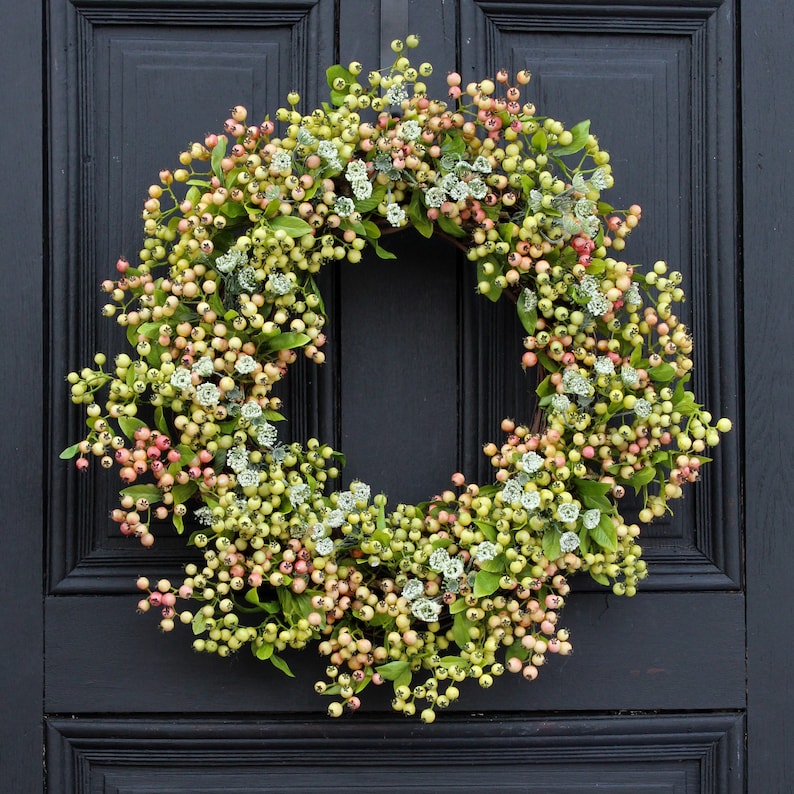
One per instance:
(485, 551)
(560, 403)
(335, 519)
(346, 501)
(281, 161)
(425, 609)
(482, 165)
(531, 462)
(438, 560)
(604, 366)
(584, 208)
(590, 518)
(573, 382)
(530, 299)
(633, 295)
(511, 492)
(362, 189)
(599, 179)
(435, 197)
(578, 183)
(454, 568)
(318, 531)
(266, 435)
(459, 191)
(567, 512)
(324, 546)
(344, 206)
(237, 459)
(248, 477)
(299, 494)
(361, 491)
(203, 367)
(413, 589)
(245, 364)
(395, 214)
(396, 95)
(410, 130)
(628, 375)
(598, 305)
(251, 410)
(232, 259)
(208, 395)
(643, 408)
(530, 500)
(279, 283)
(180, 379)
(569, 541)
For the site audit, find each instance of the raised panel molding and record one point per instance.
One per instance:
(657, 80)
(118, 73)
(616, 754)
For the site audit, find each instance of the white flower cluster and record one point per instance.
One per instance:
(356, 175)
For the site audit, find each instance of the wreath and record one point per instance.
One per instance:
(223, 299)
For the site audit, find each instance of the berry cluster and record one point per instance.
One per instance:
(223, 297)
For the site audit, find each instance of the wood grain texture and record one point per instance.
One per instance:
(616, 754)
(767, 429)
(629, 654)
(25, 444)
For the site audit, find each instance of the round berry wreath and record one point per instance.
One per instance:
(222, 299)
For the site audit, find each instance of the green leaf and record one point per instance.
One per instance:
(288, 341)
(381, 252)
(150, 492)
(182, 493)
(540, 141)
(460, 628)
(218, 153)
(663, 373)
(545, 387)
(199, 622)
(489, 530)
(580, 133)
(641, 478)
(280, 664)
(273, 416)
(528, 317)
(129, 424)
(486, 583)
(600, 578)
(294, 227)
(418, 214)
(264, 651)
(496, 565)
(233, 209)
(252, 597)
(369, 204)
(458, 605)
(159, 421)
(179, 522)
(453, 144)
(636, 356)
(551, 544)
(70, 452)
(450, 227)
(336, 71)
(403, 680)
(593, 494)
(393, 670)
(605, 534)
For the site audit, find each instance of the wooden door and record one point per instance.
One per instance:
(684, 688)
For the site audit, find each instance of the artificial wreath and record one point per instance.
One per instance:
(222, 300)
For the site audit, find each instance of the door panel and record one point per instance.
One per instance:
(420, 372)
